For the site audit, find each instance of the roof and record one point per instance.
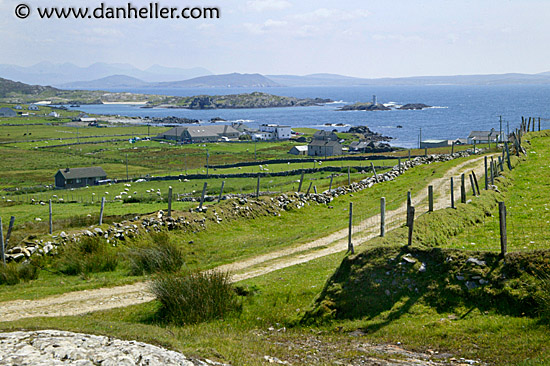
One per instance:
(435, 141)
(201, 131)
(300, 148)
(176, 131)
(324, 143)
(325, 135)
(206, 131)
(483, 134)
(76, 173)
(7, 111)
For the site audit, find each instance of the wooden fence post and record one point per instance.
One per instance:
(453, 148)
(500, 164)
(411, 224)
(399, 164)
(382, 216)
(170, 201)
(508, 156)
(486, 176)
(409, 154)
(374, 171)
(475, 181)
(330, 186)
(349, 178)
(258, 187)
(315, 189)
(472, 184)
(51, 218)
(462, 189)
(425, 152)
(430, 198)
(2, 245)
(203, 194)
(503, 234)
(452, 192)
(492, 173)
(309, 188)
(350, 244)
(409, 204)
(101, 211)
(221, 192)
(539, 124)
(301, 181)
(10, 228)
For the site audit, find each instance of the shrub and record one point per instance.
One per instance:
(13, 273)
(88, 255)
(9, 275)
(191, 298)
(543, 297)
(154, 256)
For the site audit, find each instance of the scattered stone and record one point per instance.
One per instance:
(52, 347)
(476, 261)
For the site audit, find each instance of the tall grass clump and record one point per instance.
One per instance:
(154, 254)
(195, 297)
(543, 297)
(88, 255)
(13, 273)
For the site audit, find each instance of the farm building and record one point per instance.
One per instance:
(325, 136)
(79, 177)
(33, 107)
(7, 112)
(483, 137)
(298, 150)
(197, 134)
(324, 148)
(277, 132)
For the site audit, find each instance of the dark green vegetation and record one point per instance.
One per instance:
(154, 253)
(210, 295)
(14, 273)
(88, 255)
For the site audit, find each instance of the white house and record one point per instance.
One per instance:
(278, 132)
(53, 114)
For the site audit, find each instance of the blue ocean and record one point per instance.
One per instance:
(456, 111)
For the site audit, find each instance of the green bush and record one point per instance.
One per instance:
(154, 255)
(88, 255)
(191, 298)
(543, 297)
(13, 273)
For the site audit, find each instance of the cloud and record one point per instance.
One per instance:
(331, 14)
(266, 27)
(267, 5)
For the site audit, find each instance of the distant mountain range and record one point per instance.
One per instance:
(47, 73)
(125, 76)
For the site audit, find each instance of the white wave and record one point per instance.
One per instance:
(243, 120)
(338, 102)
(392, 105)
(437, 107)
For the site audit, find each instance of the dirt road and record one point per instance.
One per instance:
(81, 302)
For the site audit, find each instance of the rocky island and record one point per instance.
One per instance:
(381, 107)
(235, 101)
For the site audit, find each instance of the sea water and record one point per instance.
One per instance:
(456, 110)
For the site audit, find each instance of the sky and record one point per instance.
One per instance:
(362, 38)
